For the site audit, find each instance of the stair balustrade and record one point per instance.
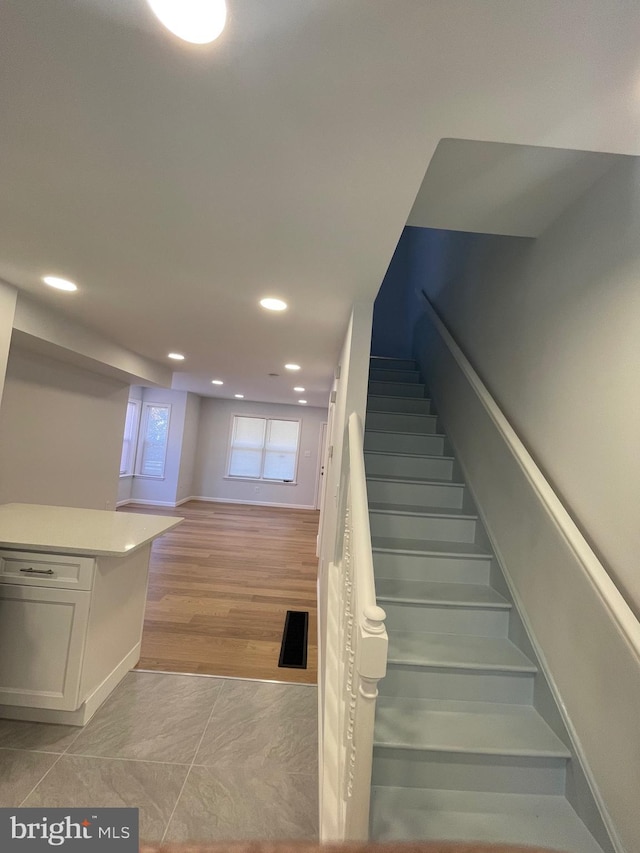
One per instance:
(356, 659)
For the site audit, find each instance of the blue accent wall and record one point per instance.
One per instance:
(391, 334)
(428, 259)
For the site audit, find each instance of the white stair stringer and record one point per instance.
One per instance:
(460, 751)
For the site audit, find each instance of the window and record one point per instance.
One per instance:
(263, 449)
(129, 441)
(153, 439)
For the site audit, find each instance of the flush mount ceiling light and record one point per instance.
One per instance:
(59, 283)
(195, 21)
(299, 389)
(217, 382)
(176, 356)
(292, 366)
(272, 304)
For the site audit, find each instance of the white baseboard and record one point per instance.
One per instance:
(252, 503)
(171, 505)
(141, 502)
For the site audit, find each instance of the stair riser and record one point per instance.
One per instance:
(390, 442)
(422, 527)
(436, 568)
(378, 363)
(395, 375)
(416, 494)
(468, 685)
(446, 620)
(416, 405)
(465, 772)
(399, 422)
(429, 468)
(398, 389)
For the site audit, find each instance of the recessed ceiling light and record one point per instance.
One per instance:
(195, 21)
(272, 304)
(239, 396)
(299, 389)
(59, 283)
(217, 382)
(302, 401)
(292, 366)
(176, 356)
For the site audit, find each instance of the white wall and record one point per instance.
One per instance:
(553, 329)
(8, 297)
(213, 442)
(189, 447)
(60, 434)
(37, 325)
(574, 621)
(351, 396)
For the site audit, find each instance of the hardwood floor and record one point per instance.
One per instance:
(219, 588)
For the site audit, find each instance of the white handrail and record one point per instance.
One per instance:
(356, 659)
(360, 504)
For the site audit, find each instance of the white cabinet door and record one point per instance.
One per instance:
(42, 637)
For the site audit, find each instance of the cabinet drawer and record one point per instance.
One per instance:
(56, 570)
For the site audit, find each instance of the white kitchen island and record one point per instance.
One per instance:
(73, 585)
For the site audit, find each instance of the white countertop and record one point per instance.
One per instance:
(67, 530)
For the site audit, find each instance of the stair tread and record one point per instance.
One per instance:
(413, 371)
(405, 414)
(420, 511)
(395, 397)
(428, 547)
(485, 728)
(457, 651)
(436, 592)
(404, 432)
(388, 381)
(402, 453)
(421, 481)
(406, 814)
(390, 358)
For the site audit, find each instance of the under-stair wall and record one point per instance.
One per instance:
(583, 632)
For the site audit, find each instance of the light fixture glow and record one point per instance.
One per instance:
(59, 283)
(217, 382)
(176, 356)
(292, 366)
(302, 401)
(272, 304)
(299, 389)
(239, 396)
(195, 21)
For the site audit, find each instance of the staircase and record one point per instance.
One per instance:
(460, 751)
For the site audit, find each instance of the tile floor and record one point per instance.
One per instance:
(202, 758)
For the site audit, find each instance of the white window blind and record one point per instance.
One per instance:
(264, 448)
(154, 436)
(129, 439)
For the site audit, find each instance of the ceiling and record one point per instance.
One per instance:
(178, 184)
(497, 188)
